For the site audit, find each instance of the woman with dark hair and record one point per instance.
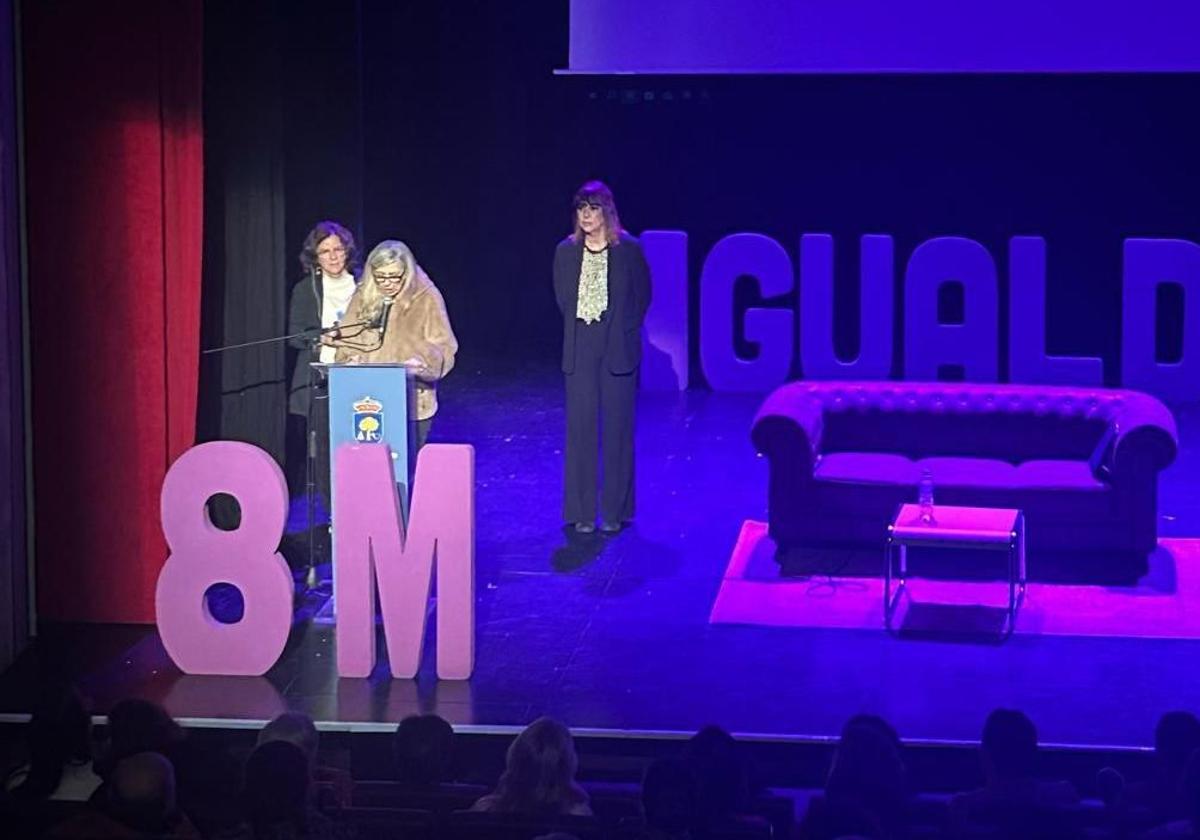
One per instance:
(602, 285)
(723, 782)
(319, 301)
(539, 775)
(422, 749)
(276, 796)
(866, 793)
(134, 726)
(60, 751)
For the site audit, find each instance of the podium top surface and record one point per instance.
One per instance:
(327, 365)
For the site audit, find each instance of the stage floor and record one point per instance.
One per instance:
(613, 633)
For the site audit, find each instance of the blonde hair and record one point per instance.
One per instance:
(597, 192)
(387, 252)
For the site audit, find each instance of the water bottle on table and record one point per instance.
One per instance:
(925, 497)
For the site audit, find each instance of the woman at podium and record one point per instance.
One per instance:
(602, 285)
(409, 326)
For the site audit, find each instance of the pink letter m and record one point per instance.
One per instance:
(372, 545)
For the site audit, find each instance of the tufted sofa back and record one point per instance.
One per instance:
(1014, 437)
(1008, 422)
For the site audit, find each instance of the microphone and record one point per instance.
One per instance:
(384, 311)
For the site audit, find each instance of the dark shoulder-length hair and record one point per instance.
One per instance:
(322, 231)
(596, 192)
(539, 774)
(60, 732)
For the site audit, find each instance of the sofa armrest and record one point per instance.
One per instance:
(1145, 435)
(1101, 460)
(788, 427)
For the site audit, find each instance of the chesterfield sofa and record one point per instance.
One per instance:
(1082, 464)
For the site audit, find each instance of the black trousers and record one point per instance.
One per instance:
(600, 408)
(418, 433)
(318, 443)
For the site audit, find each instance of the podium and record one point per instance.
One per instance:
(369, 403)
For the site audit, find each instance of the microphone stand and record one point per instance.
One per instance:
(316, 334)
(310, 482)
(310, 469)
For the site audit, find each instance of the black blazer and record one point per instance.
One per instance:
(628, 300)
(304, 314)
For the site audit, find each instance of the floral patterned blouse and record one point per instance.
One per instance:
(593, 286)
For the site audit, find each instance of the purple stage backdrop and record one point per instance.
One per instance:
(883, 36)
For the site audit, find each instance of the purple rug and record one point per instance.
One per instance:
(1165, 604)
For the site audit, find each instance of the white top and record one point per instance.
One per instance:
(335, 297)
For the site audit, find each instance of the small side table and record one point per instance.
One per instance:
(994, 529)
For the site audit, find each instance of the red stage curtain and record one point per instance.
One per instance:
(114, 197)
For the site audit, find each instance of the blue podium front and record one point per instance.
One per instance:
(368, 403)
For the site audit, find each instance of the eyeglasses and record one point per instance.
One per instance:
(588, 205)
(388, 279)
(329, 252)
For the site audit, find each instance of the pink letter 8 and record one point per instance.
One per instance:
(203, 555)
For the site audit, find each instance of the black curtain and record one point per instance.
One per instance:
(14, 579)
(282, 151)
(242, 391)
(471, 159)
(322, 118)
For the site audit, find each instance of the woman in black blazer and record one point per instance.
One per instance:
(329, 259)
(602, 285)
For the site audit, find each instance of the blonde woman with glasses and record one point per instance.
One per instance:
(417, 330)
